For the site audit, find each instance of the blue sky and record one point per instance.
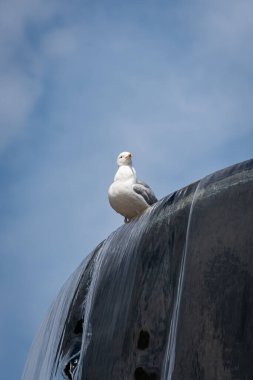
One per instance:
(81, 81)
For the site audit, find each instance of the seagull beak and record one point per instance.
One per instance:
(129, 155)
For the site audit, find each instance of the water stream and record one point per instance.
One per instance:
(116, 249)
(170, 353)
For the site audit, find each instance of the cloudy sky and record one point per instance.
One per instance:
(80, 81)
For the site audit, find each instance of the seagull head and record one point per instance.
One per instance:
(124, 158)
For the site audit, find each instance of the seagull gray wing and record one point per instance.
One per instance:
(145, 191)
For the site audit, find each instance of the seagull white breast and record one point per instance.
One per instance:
(128, 196)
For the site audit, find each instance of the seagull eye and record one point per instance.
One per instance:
(120, 156)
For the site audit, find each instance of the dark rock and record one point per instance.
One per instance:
(167, 296)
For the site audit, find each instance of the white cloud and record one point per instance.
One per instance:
(21, 71)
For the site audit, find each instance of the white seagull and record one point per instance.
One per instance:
(128, 196)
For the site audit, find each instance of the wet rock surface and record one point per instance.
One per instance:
(115, 316)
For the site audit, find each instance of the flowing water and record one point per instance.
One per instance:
(115, 249)
(50, 357)
(45, 349)
(169, 360)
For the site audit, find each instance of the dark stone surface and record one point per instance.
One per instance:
(117, 317)
(215, 337)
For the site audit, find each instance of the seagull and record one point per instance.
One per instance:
(127, 195)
